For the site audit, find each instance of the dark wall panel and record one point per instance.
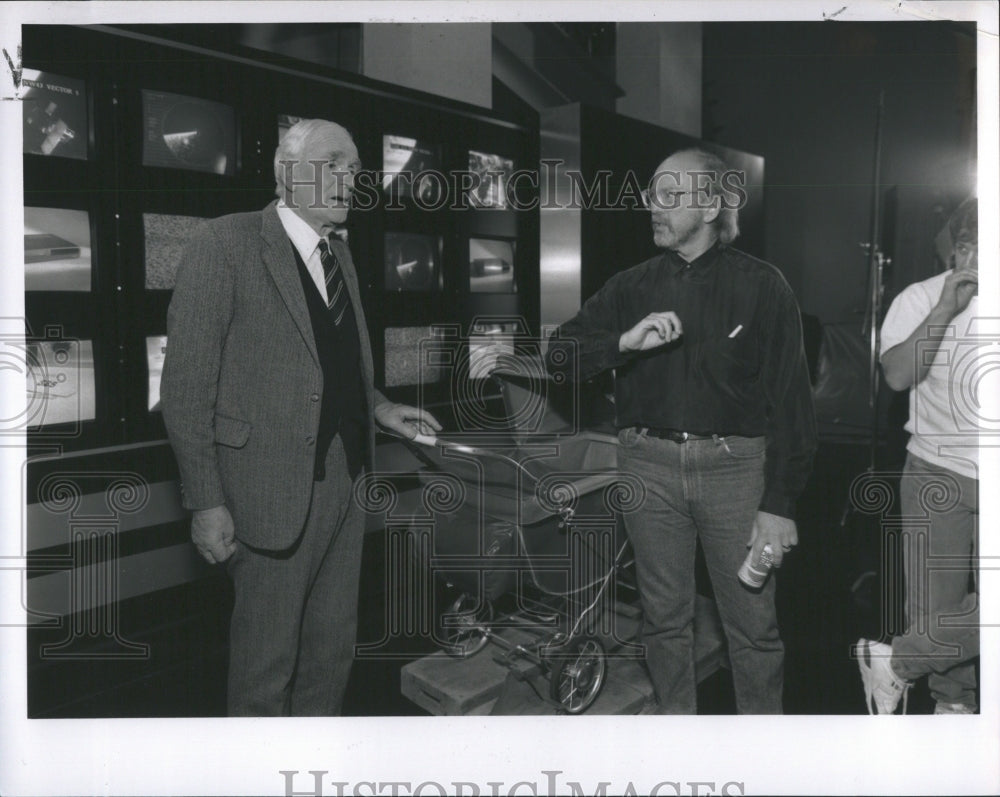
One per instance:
(804, 95)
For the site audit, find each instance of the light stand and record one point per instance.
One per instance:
(877, 262)
(865, 565)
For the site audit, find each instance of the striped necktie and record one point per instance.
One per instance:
(336, 290)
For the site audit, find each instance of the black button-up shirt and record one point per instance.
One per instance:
(738, 369)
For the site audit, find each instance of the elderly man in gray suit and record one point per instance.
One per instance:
(269, 403)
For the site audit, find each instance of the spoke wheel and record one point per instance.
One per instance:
(463, 630)
(578, 674)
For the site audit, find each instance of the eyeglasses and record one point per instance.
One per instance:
(339, 167)
(663, 200)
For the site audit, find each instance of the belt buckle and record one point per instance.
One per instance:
(684, 437)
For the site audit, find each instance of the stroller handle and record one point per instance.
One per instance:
(439, 443)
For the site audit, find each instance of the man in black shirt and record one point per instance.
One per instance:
(714, 411)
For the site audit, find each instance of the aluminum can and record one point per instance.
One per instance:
(754, 574)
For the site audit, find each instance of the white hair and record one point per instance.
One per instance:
(293, 144)
(727, 222)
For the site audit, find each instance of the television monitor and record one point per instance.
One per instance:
(166, 237)
(286, 121)
(60, 382)
(57, 254)
(490, 344)
(492, 173)
(406, 164)
(182, 132)
(491, 265)
(412, 262)
(54, 111)
(156, 350)
(412, 356)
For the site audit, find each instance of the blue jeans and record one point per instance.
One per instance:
(706, 490)
(940, 515)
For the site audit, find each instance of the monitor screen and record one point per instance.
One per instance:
(183, 132)
(286, 121)
(56, 249)
(60, 382)
(490, 345)
(491, 266)
(407, 164)
(54, 110)
(491, 173)
(156, 350)
(413, 356)
(166, 237)
(412, 262)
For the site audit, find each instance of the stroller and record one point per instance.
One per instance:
(534, 524)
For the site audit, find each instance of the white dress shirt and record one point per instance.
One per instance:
(306, 241)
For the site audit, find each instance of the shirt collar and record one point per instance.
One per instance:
(303, 237)
(678, 264)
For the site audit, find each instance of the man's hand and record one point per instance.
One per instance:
(959, 288)
(779, 531)
(654, 330)
(406, 421)
(901, 366)
(213, 533)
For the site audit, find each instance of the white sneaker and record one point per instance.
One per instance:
(954, 708)
(883, 687)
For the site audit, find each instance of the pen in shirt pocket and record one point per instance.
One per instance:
(736, 331)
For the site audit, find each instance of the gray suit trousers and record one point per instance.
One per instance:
(294, 624)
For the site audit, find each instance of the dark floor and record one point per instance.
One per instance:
(183, 673)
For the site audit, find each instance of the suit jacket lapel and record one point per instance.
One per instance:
(280, 261)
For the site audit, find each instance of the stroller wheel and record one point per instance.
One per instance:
(464, 627)
(578, 674)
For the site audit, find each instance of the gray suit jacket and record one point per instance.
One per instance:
(242, 385)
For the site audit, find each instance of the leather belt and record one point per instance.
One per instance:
(674, 435)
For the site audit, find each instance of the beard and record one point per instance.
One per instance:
(671, 235)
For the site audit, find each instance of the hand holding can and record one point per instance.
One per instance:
(754, 574)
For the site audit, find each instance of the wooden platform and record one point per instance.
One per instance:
(487, 684)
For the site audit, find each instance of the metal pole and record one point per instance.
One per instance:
(873, 310)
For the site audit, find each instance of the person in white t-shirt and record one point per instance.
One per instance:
(930, 346)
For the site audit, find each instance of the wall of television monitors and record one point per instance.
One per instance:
(130, 146)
